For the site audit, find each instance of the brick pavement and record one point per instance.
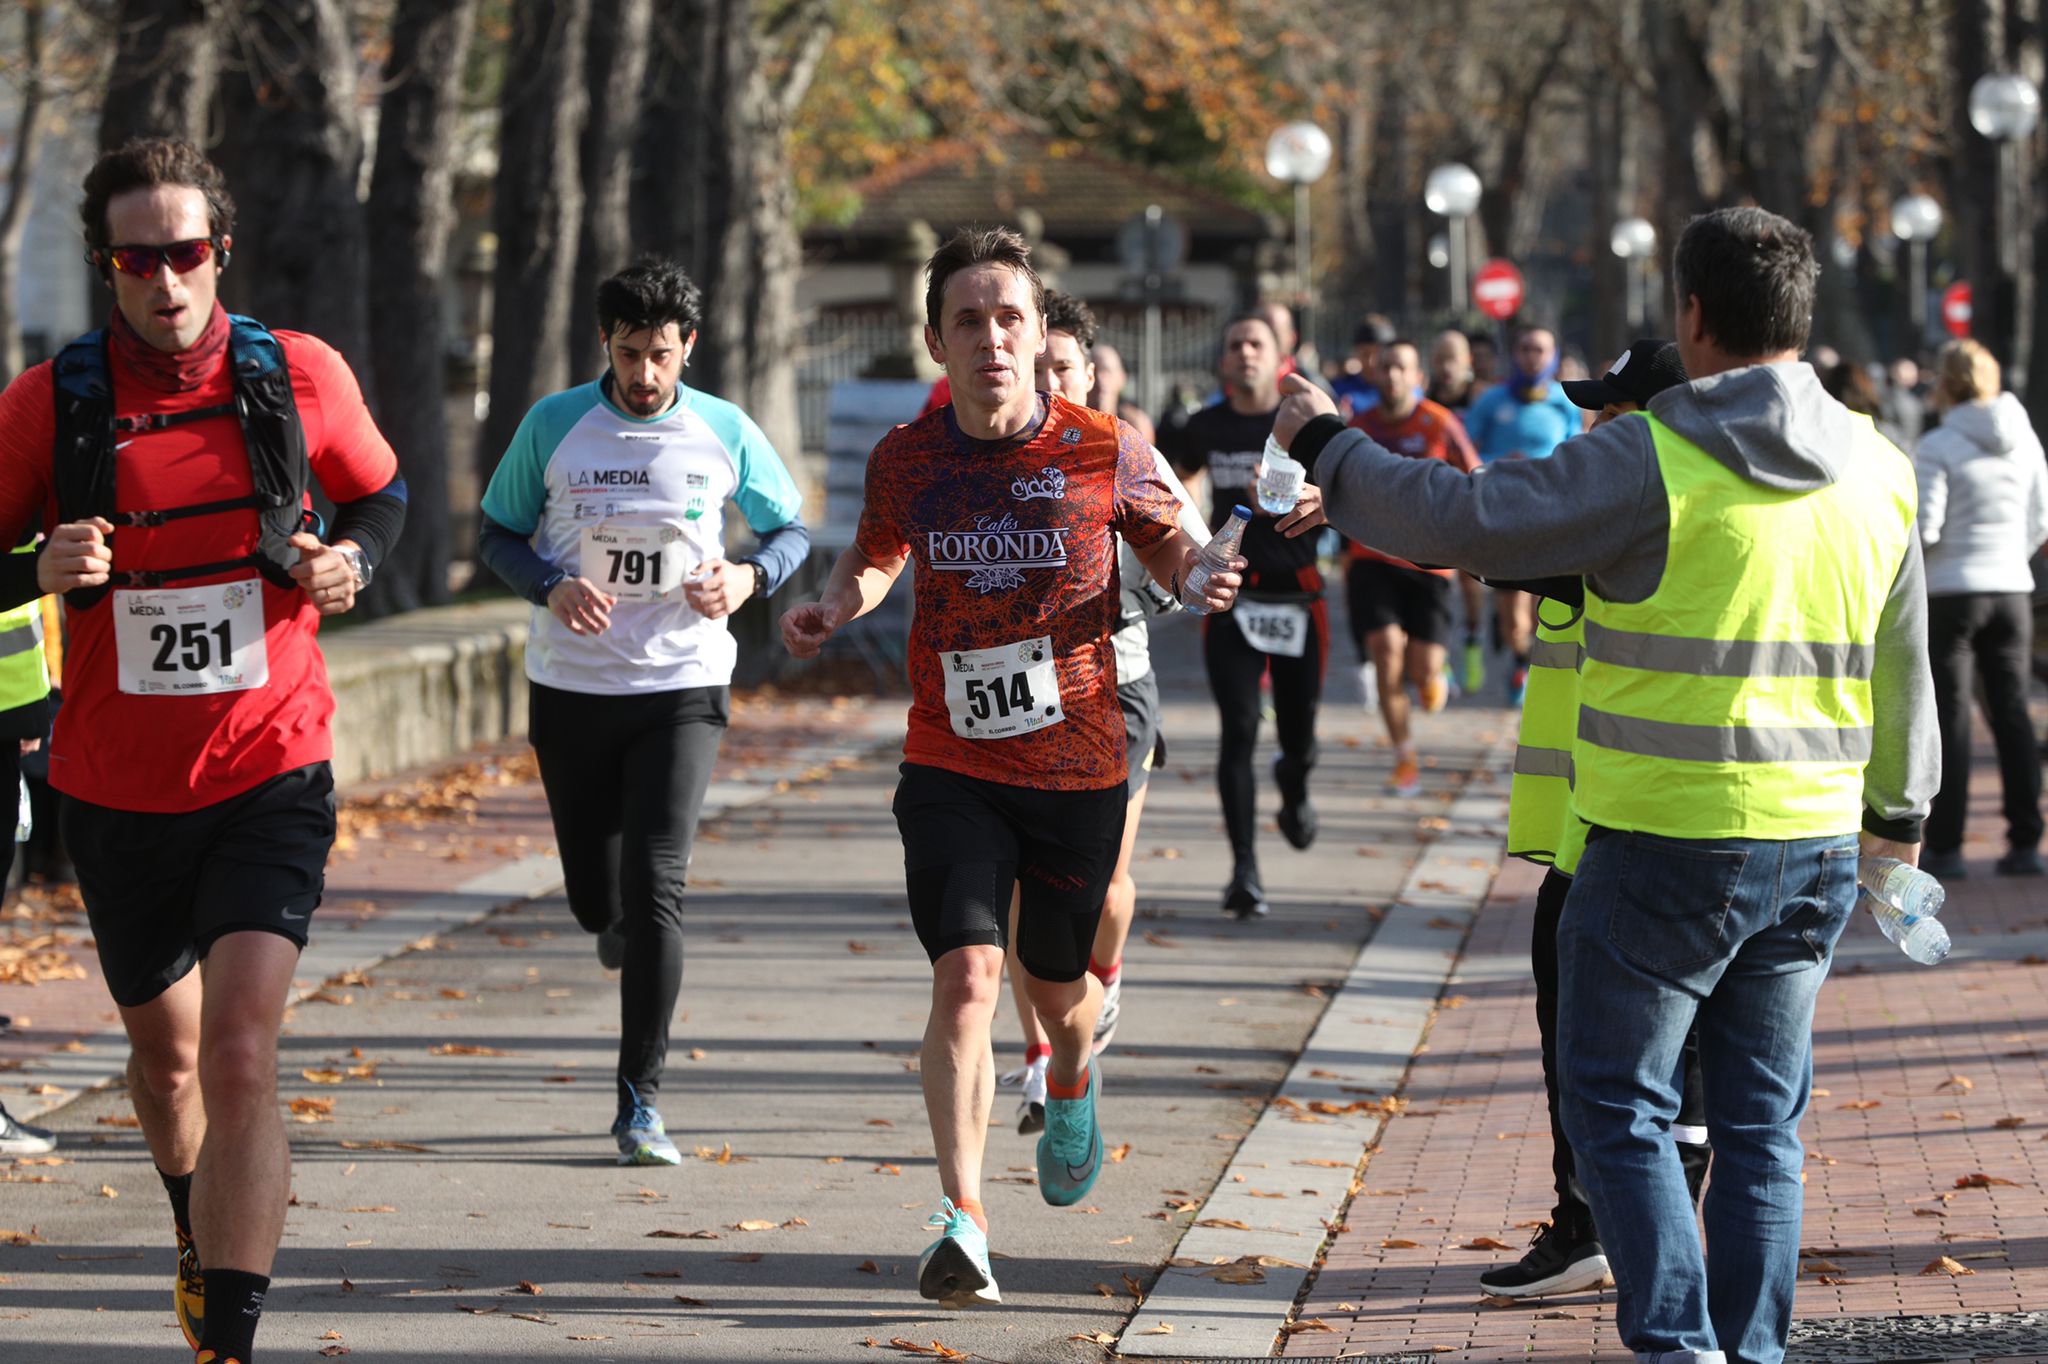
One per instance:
(1924, 1077)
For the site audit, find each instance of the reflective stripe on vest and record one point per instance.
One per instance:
(1540, 797)
(1735, 702)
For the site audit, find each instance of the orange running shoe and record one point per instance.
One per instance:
(190, 1296)
(209, 1357)
(1436, 693)
(1407, 778)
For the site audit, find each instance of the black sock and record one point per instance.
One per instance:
(179, 1187)
(234, 1304)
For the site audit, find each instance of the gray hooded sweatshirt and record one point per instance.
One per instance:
(1597, 508)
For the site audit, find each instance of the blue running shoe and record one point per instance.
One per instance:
(954, 1269)
(1070, 1150)
(642, 1138)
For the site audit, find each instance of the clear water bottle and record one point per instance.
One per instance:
(1918, 936)
(1905, 888)
(24, 817)
(1215, 556)
(1281, 478)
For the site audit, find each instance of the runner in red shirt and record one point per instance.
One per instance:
(1014, 775)
(1401, 614)
(192, 749)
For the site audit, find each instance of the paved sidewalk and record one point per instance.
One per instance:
(455, 1195)
(1924, 1143)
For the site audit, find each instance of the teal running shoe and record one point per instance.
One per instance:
(1070, 1149)
(954, 1269)
(642, 1138)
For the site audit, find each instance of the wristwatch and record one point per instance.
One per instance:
(359, 564)
(760, 577)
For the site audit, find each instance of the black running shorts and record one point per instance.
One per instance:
(966, 842)
(1143, 743)
(1380, 594)
(161, 889)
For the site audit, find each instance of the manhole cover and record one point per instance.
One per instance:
(1905, 1340)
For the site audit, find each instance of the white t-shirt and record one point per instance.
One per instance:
(636, 505)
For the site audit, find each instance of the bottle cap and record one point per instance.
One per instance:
(1242, 511)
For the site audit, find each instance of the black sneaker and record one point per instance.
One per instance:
(2020, 862)
(1244, 896)
(1298, 824)
(1944, 866)
(1554, 1264)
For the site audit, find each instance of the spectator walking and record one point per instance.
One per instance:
(1983, 514)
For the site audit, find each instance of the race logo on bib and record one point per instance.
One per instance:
(995, 552)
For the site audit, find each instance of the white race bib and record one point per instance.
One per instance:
(1273, 627)
(191, 641)
(998, 693)
(634, 563)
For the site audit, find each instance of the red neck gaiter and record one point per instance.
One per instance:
(170, 371)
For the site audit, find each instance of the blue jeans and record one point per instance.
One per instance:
(1738, 934)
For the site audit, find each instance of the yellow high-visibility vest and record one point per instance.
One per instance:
(1735, 701)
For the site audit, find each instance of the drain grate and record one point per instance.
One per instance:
(1908, 1340)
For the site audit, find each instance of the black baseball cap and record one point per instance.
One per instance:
(1648, 367)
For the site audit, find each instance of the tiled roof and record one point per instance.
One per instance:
(1077, 192)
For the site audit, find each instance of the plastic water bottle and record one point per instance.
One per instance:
(1281, 477)
(1919, 937)
(1905, 888)
(1215, 556)
(24, 818)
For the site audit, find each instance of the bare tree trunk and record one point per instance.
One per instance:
(164, 71)
(733, 82)
(1974, 188)
(410, 215)
(1683, 89)
(1611, 323)
(1355, 157)
(20, 187)
(616, 73)
(292, 149)
(538, 213)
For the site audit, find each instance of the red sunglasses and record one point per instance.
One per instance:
(142, 261)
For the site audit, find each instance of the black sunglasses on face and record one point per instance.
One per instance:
(142, 261)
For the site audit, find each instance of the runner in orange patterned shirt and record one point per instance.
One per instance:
(1014, 771)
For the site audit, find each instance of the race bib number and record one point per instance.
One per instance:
(1002, 692)
(191, 641)
(634, 563)
(1273, 627)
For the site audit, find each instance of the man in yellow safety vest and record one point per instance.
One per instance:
(24, 715)
(1755, 692)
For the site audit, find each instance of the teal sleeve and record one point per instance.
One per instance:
(518, 492)
(767, 496)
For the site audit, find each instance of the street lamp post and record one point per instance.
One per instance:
(1916, 221)
(1299, 154)
(1452, 193)
(2004, 109)
(1635, 241)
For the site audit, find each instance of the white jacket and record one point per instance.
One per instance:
(1983, 499)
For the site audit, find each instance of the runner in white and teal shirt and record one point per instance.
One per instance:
(608, 514)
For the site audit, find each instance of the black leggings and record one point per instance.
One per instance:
(1235, 668)
(625, 778)
(1570, 1215)
(1990, 636)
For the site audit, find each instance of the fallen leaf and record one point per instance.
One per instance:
(1295, 1328)
(322, 1077)
(1225, 1223)
(1819, 1267)
(1395, 1243)
(1961, 1084)
(1095, 1338)
(1485, 1243)
(755, 1224)
(1980, 1180)
(698, 1053)
(464, 1049)
(109, 1191)
(1117, 1154)
(868, 1267)
(1861, 1105)
(385, 1146)
(664, 1234)
(1164, 1328)
(2009, 1123)
(1494, 1300)
(1944, 1265)
(1238, 1272)
(528, 1287)
(859, 947)
(752, 1257)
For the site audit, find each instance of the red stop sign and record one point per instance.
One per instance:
(1955, 308)
(1497, 290)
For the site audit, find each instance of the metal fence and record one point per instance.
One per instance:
(842, 343)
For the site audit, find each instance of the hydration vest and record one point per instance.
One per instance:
(88, 431)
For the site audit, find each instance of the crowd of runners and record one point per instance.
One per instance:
(1711, 602)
